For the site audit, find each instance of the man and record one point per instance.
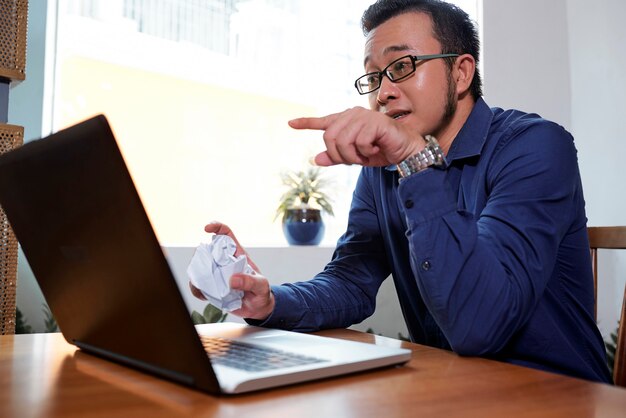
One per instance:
(487, 246)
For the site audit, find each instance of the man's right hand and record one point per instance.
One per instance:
(362, 136)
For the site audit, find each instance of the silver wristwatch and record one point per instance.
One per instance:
(431, 155)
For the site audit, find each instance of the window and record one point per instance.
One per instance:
(199, 93)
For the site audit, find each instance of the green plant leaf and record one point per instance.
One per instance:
(611, 347)
(304, 188)
(197, 319)
(403, 338)
(21, 324)
(49, 322)
(213, 314)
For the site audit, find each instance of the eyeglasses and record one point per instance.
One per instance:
(396, 71)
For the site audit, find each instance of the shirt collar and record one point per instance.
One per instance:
(471, 138)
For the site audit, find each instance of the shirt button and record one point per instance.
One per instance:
(426, 265)
(408, 204)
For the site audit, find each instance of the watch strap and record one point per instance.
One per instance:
(431, 155)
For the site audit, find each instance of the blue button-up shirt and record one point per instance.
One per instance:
(489, 255)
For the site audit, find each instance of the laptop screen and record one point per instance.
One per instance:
(81, 224)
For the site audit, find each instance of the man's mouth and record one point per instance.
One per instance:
(399, 115)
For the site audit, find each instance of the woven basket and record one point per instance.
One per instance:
(11, 137)
(13, 20)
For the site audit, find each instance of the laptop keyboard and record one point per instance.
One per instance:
(251, 357)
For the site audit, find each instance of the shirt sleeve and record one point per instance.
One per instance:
(345, 292)
(482, 274)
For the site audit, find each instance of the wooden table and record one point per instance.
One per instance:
(43, 376)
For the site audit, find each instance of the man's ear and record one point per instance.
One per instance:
(463, 73)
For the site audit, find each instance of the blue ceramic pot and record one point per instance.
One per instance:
(303, 226)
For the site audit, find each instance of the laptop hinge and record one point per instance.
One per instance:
(138, 364)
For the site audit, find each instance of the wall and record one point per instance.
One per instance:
(4, 100)
(526, 57)
(596, 42)
(29, 105)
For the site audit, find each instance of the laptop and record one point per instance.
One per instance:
(78, 217)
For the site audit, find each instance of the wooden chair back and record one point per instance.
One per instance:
(611, 237)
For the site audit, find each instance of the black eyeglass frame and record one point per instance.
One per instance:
(385, 72)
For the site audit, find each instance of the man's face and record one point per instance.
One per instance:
(426, 100)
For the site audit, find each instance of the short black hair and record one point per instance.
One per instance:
(452, 27)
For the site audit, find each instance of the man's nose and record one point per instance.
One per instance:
(388, 91)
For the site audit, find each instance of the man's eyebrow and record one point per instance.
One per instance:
(392, 48)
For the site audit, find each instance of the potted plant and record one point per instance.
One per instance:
(301, 206)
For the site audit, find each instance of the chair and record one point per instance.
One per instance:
(611, 237)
